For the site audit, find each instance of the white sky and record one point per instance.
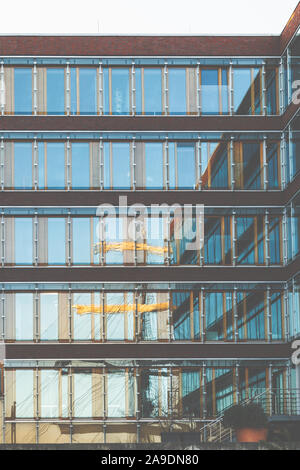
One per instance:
(145, 16)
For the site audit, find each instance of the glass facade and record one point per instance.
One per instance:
(183, 299)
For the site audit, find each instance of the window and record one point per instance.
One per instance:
(82, 401)
(49, 316)
(24, 393)
(80, 165)
(81, 240)
(55, 91)
(148, 91)
(120, 91)
(56, 165)
(23, 165)
(154, 165)
(88, 91)
(23, 240)
(117, 171)
(247, 91)
(56, 240)
(210, 91)
(24, 317)
(177, 90)
(23, 90)
(49, 393)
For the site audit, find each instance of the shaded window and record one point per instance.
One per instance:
(23, 240)
(120, 91)
(80, 165)
(55, 91)
(24, 317)
(49, 316)
(23, 90)
(154, 165)
(55, 165)
(177, 90)
(88, 91)
(81, 240)
(56, 240)
(24, 393)
(23, 165)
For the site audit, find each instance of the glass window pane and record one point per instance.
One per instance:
(56, 240)
(115, 322)
(23, 240)
(41, 158)
(121, 166)
(88, 90)
(152, 91)
(138, 91)
(186, 166)
(23, 90)
(24, 393)
(210, 91)
(154, 166)
(55, 91)
(177, 90)
(83, 395)
(80, 166)
(120, 91)
(241, 91)
(82, 322)
(251, 166)
(116, 394)
(49, 316)
(55, 165)
(81, 240)
(24, 317)
(23, 165)
(73, 90)
(105, 90)
(49, 394)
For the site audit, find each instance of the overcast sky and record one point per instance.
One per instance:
(145, 16)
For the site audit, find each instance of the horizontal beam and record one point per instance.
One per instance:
(151, 273)
(148, 351)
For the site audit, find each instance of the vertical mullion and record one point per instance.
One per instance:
(104, 378)
(36, 315)
(234, 239)
(231, 84)
(265, 165)
(133, 90)
(101, 161)
(166, 94)
(35, 164)
(232, 163)
(281, 86)
(2, 238)
(235, 315)
(269, 315)
(2, 150)
(68, 169)
(136, 316)
(133, 164)
(263, 89)
(167, 164)
(202, 315)
(69, 239)
(3, 313)
(68, 90)
(283, 160)
(286, 312)
(35, 89)
(198, 89)
(70, 314)
(103, 316)
(267, 237)
(2, 89)
(35, 238)
(37, 399)
(290, 152)
(170, 325)
(199, 166)
(288, 65)
(100, 90)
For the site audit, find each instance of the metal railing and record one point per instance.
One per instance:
(274, 402)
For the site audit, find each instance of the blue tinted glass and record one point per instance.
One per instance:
(56, 240)
(213, 240)
(210, 91)
(186, 166)
(23, 240)
(177, 91)
(55, 165)
(152, 91)
(121, 166)
(245, 240)
(272, 160)
(24, 317)
(73, 90)
(81, 241)
(105, 91)
(80, 165)
(23, 165)
(241, 89)
(41, 152)
(55, 91)
(88, 91)
(120, 91)
(252, 171)
(23, 91)
(154, 165)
